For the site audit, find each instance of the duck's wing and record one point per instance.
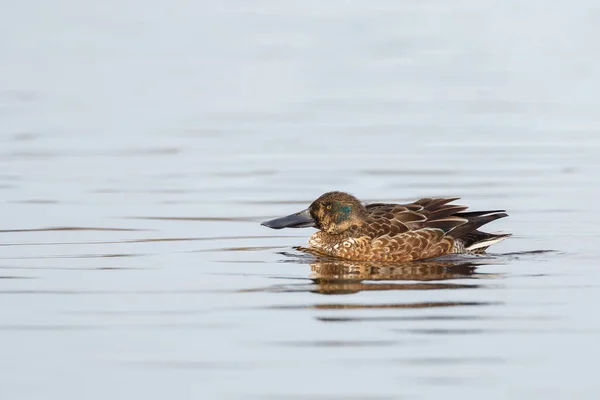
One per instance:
(390, 220)
(424, 213)
(386, 219)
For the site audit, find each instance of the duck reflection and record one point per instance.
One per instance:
(343, 277)
(333, 276)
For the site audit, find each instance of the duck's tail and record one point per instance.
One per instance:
(477, 242)
(469, 239)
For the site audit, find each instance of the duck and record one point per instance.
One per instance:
(387, 232)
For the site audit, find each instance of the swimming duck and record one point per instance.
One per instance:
(384, 232)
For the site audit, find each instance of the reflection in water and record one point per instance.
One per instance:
(334, 276)
(353, 306)
(342, 277)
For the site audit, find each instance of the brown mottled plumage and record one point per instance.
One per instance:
(382, 232)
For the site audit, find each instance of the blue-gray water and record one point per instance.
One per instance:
(142, 142)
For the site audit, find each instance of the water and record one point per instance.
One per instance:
(141, 143)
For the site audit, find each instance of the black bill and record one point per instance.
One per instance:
(298, 220)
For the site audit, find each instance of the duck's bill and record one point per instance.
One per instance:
(298, 220)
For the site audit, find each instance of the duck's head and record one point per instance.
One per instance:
(333, 212)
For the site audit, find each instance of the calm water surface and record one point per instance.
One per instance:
(141, 143)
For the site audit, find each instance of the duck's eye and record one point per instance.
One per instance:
(329, 206)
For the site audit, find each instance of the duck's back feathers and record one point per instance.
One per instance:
(424, 213)
(400, 222)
